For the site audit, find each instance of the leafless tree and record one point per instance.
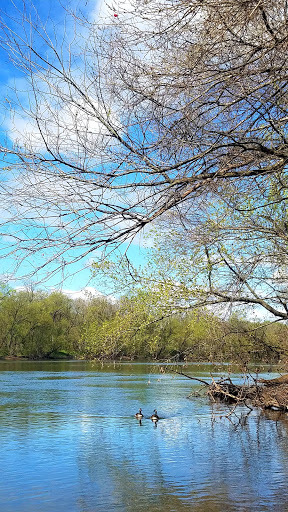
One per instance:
(123, 119)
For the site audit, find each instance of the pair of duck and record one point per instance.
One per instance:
(139, 415)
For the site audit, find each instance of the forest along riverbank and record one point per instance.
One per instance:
(39, 325)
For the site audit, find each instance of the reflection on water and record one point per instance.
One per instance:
(70, 442)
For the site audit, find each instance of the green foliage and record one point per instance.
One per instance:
(226, 250)
(139, 328)
(140, 325)
(34, 324)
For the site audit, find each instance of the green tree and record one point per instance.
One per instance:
(49, 329)
(37, 324)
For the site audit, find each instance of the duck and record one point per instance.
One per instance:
(139, 414)
(154, 416)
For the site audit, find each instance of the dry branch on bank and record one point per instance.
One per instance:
(264, 393)
(267, 394)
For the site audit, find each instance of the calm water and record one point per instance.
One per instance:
(69, 442)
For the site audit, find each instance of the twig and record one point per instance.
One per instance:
(185, 375)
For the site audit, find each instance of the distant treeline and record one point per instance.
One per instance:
(39, 325)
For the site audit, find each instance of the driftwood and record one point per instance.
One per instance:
(264, 393)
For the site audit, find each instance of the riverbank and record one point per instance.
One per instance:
(55, 356)
(263, 393)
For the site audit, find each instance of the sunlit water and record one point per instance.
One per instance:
(69, 442)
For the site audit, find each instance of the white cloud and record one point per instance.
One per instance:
(86, 293)
(108, 11)
(69, 127)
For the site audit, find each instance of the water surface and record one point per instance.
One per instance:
(69, 442)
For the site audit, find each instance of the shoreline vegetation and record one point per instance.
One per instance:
(36, 325)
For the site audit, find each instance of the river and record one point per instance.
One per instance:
(70, 442)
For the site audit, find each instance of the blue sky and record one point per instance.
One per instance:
(80, 274)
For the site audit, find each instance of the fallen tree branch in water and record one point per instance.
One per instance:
(169, 369)
(264, 393)
(267, 394)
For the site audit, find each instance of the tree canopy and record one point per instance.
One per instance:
(37, 325)
(150, 111)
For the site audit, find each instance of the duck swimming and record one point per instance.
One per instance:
(139, 414)
(154, 416)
